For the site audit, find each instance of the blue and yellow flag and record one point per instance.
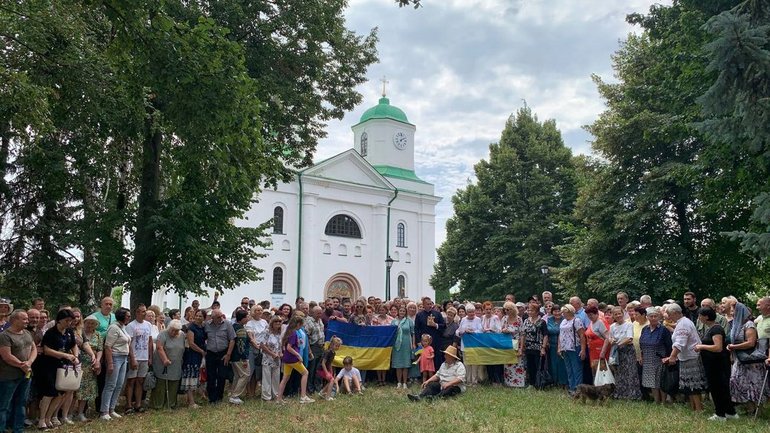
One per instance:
(369, 346)
(488, 349)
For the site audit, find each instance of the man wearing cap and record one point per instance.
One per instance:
(448, 380)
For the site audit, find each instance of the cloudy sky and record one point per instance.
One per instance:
(459, 68)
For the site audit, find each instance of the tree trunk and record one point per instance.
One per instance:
(5, 148)
(144, 263)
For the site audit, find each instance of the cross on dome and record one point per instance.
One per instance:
(384, 83)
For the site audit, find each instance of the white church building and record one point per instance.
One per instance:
(338, 221)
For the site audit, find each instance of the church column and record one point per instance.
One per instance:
(375, 285)
(427, 251)
(309, 286)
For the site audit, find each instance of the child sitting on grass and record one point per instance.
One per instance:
(350, 376)
(325, 370)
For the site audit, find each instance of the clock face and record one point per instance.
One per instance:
(399, 140)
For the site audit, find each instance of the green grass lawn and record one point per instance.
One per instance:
(385, 410)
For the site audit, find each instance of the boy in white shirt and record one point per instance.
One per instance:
(349, 374)
(140, 353)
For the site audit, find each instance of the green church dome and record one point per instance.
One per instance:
(384, 110)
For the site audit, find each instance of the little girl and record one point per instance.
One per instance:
(292, 360)
(426, 358)
(326, 371)
(270, 343)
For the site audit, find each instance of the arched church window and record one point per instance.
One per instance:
(401, 286)
(278, 220)
(401, 235)
(344, 226)
(277, 280)
(364, 144)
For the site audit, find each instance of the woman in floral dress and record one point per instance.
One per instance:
(90, 365)
(514, 375)
(193, 357)
(746, 379)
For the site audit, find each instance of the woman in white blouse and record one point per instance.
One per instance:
(470, 324)
(622, 357)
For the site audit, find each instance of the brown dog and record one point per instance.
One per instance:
(594, 393)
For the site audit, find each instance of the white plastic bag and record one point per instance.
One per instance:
(603, 377)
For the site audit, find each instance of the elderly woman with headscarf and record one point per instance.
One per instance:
(655, 344)
(692, 377)
(167, 366)
(745, 379)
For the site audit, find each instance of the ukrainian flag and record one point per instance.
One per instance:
(369, 346)
(488, 349)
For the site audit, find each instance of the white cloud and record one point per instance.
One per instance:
(459, 68)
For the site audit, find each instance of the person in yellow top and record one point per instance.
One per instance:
(639, 324)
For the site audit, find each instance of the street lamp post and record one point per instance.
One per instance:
(388, 264)
(544, 271)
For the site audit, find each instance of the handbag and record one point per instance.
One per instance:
(150, 381)
(543, 377)
(669, 379)
(603, 377)
(68, 378)
(754, 355)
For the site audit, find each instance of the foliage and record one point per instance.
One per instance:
(652, 211)
(737, 106)
(506, 224)
(135, 134)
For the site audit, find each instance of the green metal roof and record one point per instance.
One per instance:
(398, 173)
(384, 110)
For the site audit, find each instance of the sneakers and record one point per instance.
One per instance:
(105, 417)
(413, 397)
(716, 417)
(67, 421)
(236, 400)
(193, 406)
(733, 416)
(114, 414)
(82, 417)
(306, 399)
(55, 422)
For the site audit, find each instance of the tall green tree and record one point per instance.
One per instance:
(505, 225)
(737, 109)
(652, 213)
(134, 134)
(58, 103)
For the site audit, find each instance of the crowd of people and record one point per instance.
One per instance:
(156, 358)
